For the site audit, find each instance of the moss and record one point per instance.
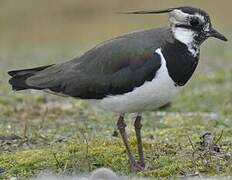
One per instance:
(168, 154)
(166, 144)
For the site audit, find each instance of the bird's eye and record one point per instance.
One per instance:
(194, 22)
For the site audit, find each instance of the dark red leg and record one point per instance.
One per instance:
(138, 126)
(134, 166)
(121, 127)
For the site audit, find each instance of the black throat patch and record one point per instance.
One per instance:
(179, 61)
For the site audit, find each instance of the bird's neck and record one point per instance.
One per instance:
(179, 61)
(187, 37)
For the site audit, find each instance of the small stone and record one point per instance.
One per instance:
(115, 133)
(2, 170)
(13, 178)
(207, 139)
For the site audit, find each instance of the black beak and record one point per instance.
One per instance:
(216, 34)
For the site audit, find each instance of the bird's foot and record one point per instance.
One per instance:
(137, 166)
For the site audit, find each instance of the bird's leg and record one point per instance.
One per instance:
(138, 126)
(121, 127)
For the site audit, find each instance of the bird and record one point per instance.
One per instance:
(132, 73)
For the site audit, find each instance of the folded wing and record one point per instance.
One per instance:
(112, 68)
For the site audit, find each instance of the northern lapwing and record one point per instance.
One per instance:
(136, 72)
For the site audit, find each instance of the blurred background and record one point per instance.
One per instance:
(35, 32)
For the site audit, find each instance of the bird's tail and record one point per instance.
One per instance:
(19, 77)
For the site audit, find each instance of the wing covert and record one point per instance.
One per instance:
(111, 68)
(122, 81)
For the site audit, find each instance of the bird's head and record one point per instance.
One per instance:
(188, 24)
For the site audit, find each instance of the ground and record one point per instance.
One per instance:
(42, 132)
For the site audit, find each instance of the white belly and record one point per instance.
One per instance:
(149, 96)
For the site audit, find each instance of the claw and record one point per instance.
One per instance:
(137, 167)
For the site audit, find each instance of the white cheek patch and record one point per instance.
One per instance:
(183, 35)
(186, 36)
